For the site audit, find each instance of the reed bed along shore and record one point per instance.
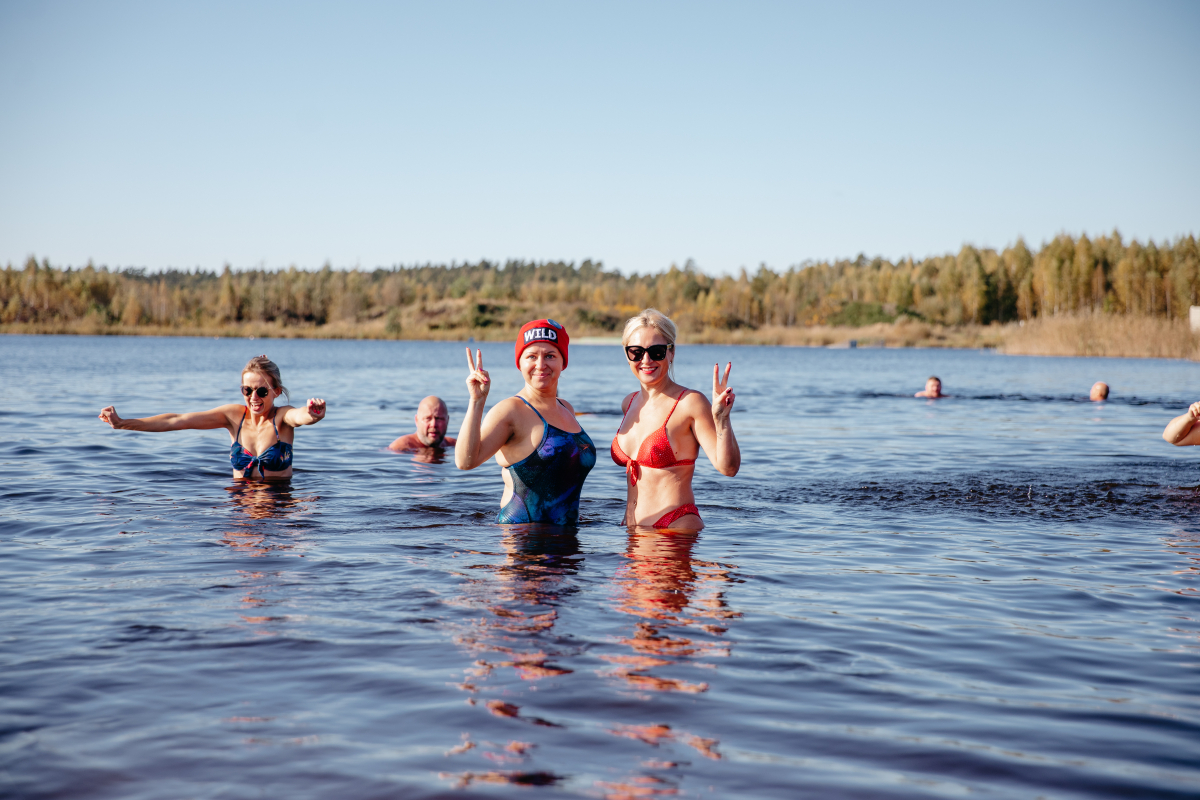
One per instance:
(1080, 334)
(1103, 335)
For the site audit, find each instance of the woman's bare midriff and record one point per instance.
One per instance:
(660, 491)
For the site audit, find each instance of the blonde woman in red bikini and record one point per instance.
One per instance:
(664, 428)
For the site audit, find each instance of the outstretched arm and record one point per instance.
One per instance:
(1183, 430)
(192, 420)
(713, 429)
(311, 414)
(478, 438)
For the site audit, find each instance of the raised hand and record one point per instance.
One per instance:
(478, 381)
(723, 396)
(316, 408)
(109, 415)
(1193, 411)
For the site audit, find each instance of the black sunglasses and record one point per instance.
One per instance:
(261, 391)
(657, 351)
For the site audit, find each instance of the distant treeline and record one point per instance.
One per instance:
(1066, 276)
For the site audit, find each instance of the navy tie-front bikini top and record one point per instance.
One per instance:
(276, 458)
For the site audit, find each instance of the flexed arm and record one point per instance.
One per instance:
(311, 414)
(479, 439)
(189, 421)
(714, 430)
(1183, 429)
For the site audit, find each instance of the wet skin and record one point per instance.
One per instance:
(512, 430)
(933, 390)
(254, 416)
(432, 419)
(695, 424)
(1183, 430)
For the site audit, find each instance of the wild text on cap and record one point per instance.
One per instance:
(541, 333)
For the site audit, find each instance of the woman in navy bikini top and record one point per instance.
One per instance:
(545, 463)
(276, 458)
(258, 454)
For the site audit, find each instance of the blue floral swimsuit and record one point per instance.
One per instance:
(547, 482)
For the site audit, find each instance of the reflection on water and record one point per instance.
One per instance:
(679, 619)
(674, 596)
(429, 455)
(681, 614)
(256, 502)
(994, 595)
(519, 598)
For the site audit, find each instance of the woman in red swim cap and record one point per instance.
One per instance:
(663, 418)
(534, 436)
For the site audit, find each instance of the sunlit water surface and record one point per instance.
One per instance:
(992, 595)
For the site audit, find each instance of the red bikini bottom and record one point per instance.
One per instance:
(669, 518)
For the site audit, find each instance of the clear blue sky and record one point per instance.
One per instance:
(640, 134)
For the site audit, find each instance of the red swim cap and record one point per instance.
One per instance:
(543, 330)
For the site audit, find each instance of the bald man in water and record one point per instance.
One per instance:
(432, 419)
(1099, 391)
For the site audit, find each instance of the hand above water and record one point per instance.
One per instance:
(109, 415)
(722, 394)
(316, 408)
(479, 383)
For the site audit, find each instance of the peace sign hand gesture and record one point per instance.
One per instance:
(478, 382)
(722, 395)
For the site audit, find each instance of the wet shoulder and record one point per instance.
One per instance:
(281, 416)
(694, 404)
(233, 414)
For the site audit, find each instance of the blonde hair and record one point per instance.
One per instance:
(652, 318)
(269, 370)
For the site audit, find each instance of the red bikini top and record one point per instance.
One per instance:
(655, 452)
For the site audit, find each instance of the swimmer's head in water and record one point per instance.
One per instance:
(659, 322)
(543, 331)
(933, 386)
(432, 420)
(267, 370)
(1099, 391)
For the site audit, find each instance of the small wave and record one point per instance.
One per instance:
(1020, 397)
(1152, 491)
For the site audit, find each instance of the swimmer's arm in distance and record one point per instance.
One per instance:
(312, 413)
(1183, 430)
(480, 438)
(712, 426)
(189, 421)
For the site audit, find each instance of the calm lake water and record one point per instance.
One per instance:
(993, 595)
